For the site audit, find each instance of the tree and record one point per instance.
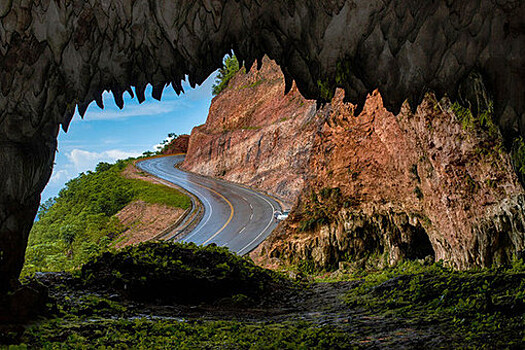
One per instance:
(226, 73)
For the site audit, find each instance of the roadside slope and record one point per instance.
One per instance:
(234, 216)
(96, 211)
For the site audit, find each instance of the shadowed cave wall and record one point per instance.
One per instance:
(57, 54)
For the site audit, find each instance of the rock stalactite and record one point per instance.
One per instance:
(59, 54)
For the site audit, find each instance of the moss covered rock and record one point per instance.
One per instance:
(179, 273)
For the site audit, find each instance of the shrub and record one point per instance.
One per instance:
(226, 73)
(179, 272)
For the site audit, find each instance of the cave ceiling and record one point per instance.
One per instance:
(57, 55)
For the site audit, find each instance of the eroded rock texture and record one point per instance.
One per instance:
(372, 187)
(56, 54)
(256, 136)
(387, 188)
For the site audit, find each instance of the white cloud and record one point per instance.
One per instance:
(59, 177)
(82, 161)
(135, 110)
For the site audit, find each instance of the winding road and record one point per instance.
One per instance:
(234, 216)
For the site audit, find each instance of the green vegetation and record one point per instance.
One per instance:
(325, 90)
(319, 209)
(482, 308)
(483, 121)
(175, 334)
(322, 208)
(518, 157)
(166, 143)
(230, 67)
(80, 223)
(156, 271)
(252, 85)
(251, 128)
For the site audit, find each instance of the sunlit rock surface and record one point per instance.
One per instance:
(374, 186)
(412, 186)
(256, 136)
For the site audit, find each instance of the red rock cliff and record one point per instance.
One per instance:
(178, 145)
(255, 135)
(390, 187)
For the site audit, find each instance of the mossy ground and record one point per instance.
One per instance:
(413, 305)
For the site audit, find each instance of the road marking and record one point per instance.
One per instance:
(244, 228)
(231, 208)
(156, 167)
(251, 216)
(204, 197)
(229, 219)
(269, 223)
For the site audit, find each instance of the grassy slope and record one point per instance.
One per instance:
(79, 223)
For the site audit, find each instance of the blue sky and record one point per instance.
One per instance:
(111, 134)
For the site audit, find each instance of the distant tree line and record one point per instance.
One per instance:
(80, 223)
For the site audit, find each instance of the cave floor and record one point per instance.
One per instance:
(344, 314)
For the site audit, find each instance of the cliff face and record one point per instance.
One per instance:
(177, 145)
(413, 186)
(256, 136)
(425, 184)
(57, 55)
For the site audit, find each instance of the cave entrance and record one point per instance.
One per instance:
(420, 246)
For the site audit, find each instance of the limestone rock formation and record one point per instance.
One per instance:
(59, 54)
(417, 185)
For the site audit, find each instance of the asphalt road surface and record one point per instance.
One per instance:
(234, 216)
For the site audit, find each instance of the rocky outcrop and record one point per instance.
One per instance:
(256, 136)
(176, 146)
(416, 185)
(57, 54)
(433, 184)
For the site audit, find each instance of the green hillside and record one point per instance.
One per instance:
(80, 224)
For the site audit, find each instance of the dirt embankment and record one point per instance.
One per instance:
(145, 221)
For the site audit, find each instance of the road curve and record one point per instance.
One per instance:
(234, 216)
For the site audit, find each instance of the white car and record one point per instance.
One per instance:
(279, 216)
